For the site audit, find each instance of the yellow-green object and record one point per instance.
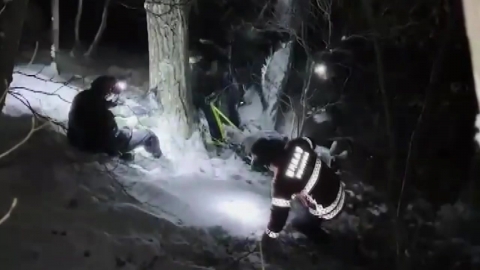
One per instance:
(220, 120)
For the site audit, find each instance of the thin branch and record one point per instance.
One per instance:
(3, 8)
(33, 129)
(435, 73)
(9, 212)
(39, 92)
(34, 55)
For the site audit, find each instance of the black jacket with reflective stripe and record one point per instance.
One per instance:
(324, 191)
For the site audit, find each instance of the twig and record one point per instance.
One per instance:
(27, 104)
(33, 129)
(3, 8)
(427, 104)
(39, 92)
(7, 215)
(262, 261)
(34, 55)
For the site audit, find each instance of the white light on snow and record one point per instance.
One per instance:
(243, 210)
(320, 70)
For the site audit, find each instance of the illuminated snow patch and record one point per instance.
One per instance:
(242, 209)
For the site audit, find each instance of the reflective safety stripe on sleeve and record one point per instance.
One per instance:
(280, 202)
(271, 234)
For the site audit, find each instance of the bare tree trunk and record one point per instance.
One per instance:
(55, 33)
(78, 19)
(472, 22)
(169, 69)
(100, 31)
(12, 16)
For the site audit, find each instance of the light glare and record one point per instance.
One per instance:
(121, 85)
(242, 210)
(321, 70)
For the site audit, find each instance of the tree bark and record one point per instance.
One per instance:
(472, 22)
(12, 16)
(100, 31)
(55, 33)
(169, 70)
(78, 19)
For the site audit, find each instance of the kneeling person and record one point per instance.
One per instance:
(299, 173)
(92, 127)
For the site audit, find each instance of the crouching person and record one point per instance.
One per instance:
(299, 173)
(92, 127)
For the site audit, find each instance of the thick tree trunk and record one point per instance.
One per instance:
(12, 16)
(55, 33)
(78, 19)
(169, 69)
(100, 31)
(472, 23)
(472, 18)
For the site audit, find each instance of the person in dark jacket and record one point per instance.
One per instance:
(207, 79)
(299, 173)
(92, 127)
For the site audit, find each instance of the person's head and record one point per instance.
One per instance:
(107, 86)
(268, 152)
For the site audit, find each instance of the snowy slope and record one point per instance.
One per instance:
(190, 184)
(78, 211)
(73, 213)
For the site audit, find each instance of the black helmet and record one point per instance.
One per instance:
(267, 151)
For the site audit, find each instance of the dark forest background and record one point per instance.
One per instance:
(402, 92)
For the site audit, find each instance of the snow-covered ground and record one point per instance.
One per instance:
(202, 190)
(77, 211)
(68, 201)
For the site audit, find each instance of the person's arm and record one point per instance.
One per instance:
(279, 210)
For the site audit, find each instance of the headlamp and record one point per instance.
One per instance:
(121, 86)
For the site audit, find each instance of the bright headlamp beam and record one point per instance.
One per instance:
(320, 70)
(121, 85)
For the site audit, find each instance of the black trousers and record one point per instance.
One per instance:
(309, 225)
(201, 104)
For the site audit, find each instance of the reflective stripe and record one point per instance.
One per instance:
(280, 202)
(337, 209)
(313, 178)
(333, 209)
(271, 234)
(297, 164)
(309, 142)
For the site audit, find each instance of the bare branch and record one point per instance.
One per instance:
(9, 212)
